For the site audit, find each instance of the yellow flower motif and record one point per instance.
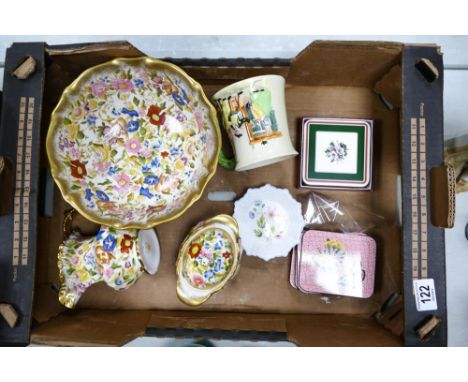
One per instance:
(102, 152)
(93, 104)
(83, 275)
(77, 113)
(85, 247)
(185, 133)
(335, 244)
(71, 131)
(179, 165)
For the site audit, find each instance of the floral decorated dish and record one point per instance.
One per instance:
(208, 258)
(133, 142)
(270, 222)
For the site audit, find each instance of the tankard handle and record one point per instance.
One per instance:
(224, 161)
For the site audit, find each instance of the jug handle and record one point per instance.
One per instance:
(67, 222)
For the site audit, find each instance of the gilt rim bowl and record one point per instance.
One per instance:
(133, 143)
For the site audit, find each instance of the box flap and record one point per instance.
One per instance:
(343, 63)
(92, 328)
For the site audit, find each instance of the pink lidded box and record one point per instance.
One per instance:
(334, 263)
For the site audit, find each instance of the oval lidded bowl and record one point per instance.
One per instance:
(208, 258)
(133, 142)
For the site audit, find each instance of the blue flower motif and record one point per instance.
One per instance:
(139, 83)
(209, 274)
(100, 233)
(114, 112)
(174, 151)
(151, 179)
(184, 94)
(207, 245)
(218, 246)
(146, 192)
(132, 126)
(146, 143)
(112, 170)
(131, 113)
(91, 120)
(217, 266)
(155, 162)
(251, 215)
(145, 168)
(178, 99)
(109, 243)
(118, 281)
(258, 203)
(102, 196)
(203, 138)
(89, 194)
(157, 145)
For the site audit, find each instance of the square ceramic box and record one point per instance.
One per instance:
(336, 153)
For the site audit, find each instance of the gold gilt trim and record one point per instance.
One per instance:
(231, 223)
(65, 297)
(56, 123)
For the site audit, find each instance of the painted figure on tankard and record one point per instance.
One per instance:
(251, 113)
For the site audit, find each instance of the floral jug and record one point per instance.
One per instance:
(116, 257)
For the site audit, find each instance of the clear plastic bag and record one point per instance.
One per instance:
(324, 213)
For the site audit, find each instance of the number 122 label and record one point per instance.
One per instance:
(425, 295)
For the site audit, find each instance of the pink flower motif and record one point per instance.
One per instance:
(208, 255)
(108, 272)
(191, 149)
(199, 119)
(133, 145)
(123, 181)
(74, 260)
(142, 75)
(127, 264)
(101, 167)
(84, 183)
(112, 141)
(198, 280)
(123, 85)
(77, 112)
(99, 88)
(146, 153)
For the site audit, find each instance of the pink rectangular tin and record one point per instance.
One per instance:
(334, 263)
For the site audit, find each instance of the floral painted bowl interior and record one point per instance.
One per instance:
(133, 142)
(270, 222)
(208, 259)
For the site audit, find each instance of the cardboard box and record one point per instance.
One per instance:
(389, 83)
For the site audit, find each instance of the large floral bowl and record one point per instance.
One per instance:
(133, 143)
